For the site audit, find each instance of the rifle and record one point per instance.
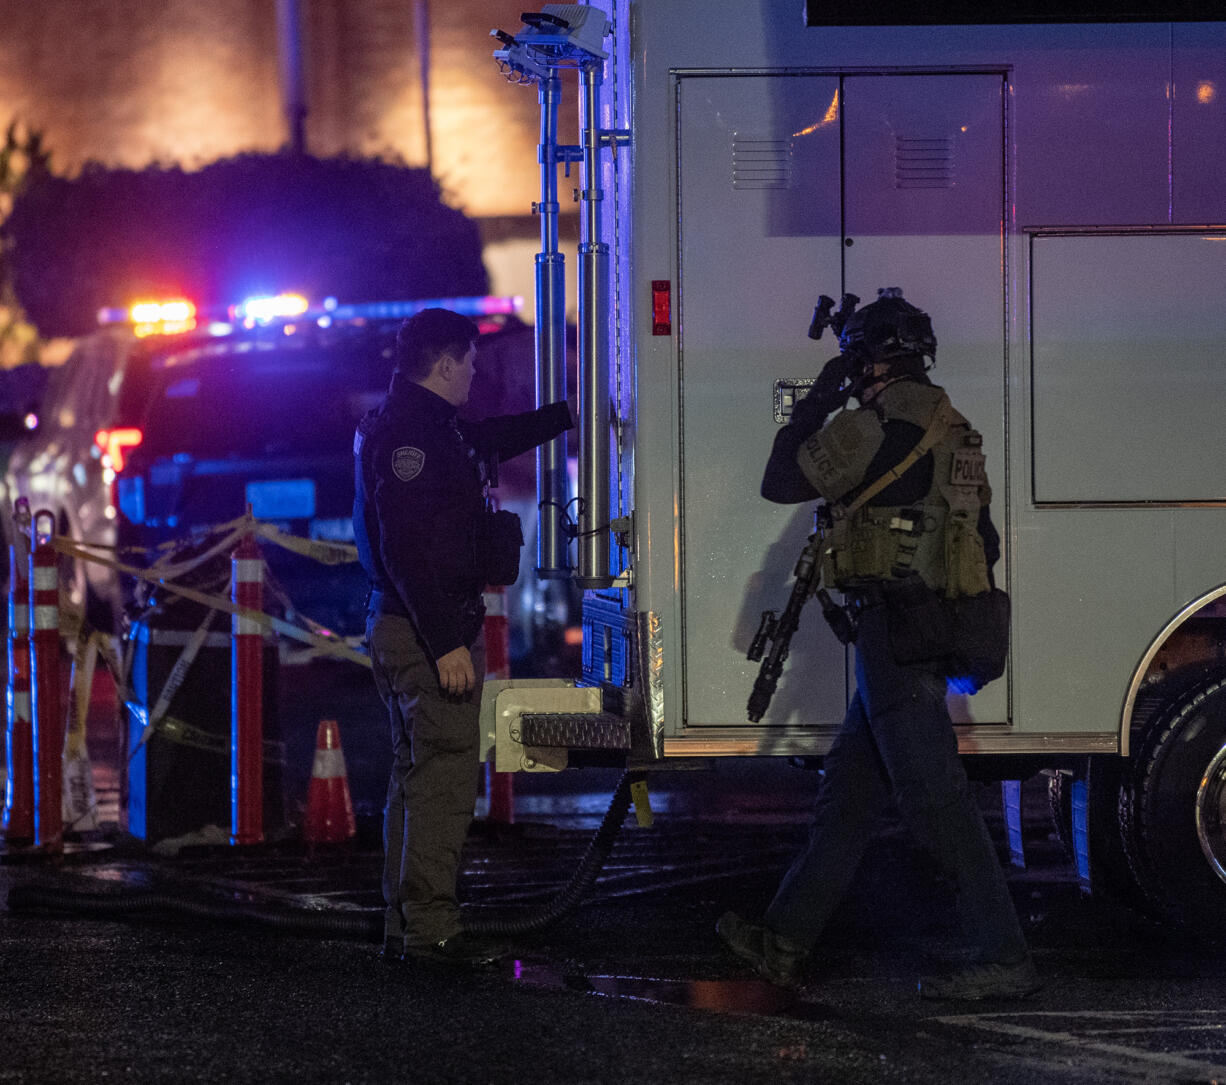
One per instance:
(834, 387)
(778, 631)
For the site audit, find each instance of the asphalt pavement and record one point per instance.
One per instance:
(203, 962)
(630, 984)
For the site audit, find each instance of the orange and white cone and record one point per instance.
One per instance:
(499, 786)
(329, 813)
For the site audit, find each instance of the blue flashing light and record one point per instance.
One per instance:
(131, 495)
(488, 305)
(263, 310)
(962, 684)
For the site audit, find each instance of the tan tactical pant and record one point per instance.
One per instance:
(433, 786)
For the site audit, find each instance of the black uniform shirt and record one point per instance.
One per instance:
(419, 504)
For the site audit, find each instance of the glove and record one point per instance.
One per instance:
(826, 396)
(835, 373)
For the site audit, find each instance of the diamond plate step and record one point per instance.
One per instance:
(575, 730)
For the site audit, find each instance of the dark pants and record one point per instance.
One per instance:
(433, 786)
(897, 736)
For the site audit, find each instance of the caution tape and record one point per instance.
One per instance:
(182, 733)
(80, 808)
(326, 645)
(327, 553)
(230, 532)
(174, 680)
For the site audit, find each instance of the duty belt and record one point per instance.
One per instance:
(385, 602)
(869, 593)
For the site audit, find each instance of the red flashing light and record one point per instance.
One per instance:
(115, 442)
(161, 317)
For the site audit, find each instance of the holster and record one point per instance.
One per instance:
(502, 540)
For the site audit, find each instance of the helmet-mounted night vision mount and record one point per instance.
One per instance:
(890, 331)
(824, 318)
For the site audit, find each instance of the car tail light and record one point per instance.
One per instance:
(115, 443)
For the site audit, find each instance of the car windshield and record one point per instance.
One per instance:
(219, 400)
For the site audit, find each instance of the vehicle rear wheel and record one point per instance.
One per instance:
(1177, 811)
(1060, 808)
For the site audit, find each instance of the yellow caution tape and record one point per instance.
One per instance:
(182, 733)
(326, 645)
(327, 553)
(174, 680)
(642, 804)
(80, 683)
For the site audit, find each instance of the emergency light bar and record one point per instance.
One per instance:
(153, 317)
(174, 317)
(399, 310)
(265, 309)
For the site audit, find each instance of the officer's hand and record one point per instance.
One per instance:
(455, 672)
(825, 397)
(835, 373)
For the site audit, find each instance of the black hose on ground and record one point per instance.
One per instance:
(42, 898)
(585, 875)
(354, 924)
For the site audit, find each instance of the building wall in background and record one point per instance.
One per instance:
(129, 82)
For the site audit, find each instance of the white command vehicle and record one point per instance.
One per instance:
(1052, 195)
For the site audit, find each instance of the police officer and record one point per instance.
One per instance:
(430, 544)
(925, 533)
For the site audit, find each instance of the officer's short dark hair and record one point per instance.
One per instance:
(427, 336)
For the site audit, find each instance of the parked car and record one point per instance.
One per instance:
(158, 429)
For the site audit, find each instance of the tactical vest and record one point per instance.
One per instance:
(936, 537)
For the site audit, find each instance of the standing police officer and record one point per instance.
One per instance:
(924, 533)
(430, 544)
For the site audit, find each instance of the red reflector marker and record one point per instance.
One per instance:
(661, 307)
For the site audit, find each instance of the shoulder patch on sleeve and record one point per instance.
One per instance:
(407, 462)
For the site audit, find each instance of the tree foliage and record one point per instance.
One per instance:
(354, 229)
(23, 159)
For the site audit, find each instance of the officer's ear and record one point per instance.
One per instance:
(445, 366)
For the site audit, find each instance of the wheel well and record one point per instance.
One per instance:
(1191, 647)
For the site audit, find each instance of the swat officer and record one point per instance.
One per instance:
(924, 532)
(430, 543)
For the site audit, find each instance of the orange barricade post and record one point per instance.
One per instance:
(48, 723)
(19, 734)
(329, 813)
(247, 697)
(499, 785)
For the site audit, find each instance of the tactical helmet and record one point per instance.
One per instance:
(888, 328)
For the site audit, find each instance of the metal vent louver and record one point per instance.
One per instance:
(761, 163)
(923, 162)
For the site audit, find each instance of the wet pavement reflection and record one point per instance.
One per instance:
(746, 996)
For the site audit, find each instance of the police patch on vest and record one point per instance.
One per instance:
(967, 467)
(407, 462)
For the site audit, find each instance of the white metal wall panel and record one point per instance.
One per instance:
(1129, 382)
(759, 182)
(1198, 123)
(924, 198)
(1092, 122)
(1091, 588)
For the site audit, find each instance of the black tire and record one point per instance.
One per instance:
(1175, 819)
(1108, 781)
(1060, 807)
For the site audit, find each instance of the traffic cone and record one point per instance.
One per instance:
(329, 813)
(499, 786)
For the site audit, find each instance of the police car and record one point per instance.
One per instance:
(168, 422)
